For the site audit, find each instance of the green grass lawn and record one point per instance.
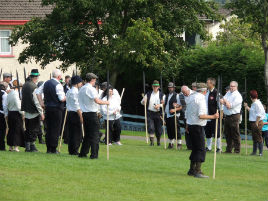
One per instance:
(135, 171)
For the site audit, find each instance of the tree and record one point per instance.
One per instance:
(100, 34)
(255, 13)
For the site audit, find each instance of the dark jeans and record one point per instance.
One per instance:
(75, 132)
(32, 129)
(265, 137)
(170, 122)
(2, 131)
(114, 130)
(92, 137)
(211, 127)
(198, 153)
(154, 123)
(53, 121)
(232, 133)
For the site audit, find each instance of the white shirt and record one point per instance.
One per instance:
(256, 110)
(235, 100)
(38, 107)
(13, 101)
(196, 106)
(154, 100)
(86, 97)
(4, 103)
(72, 102)
(113, 107)
(167, 110)
(59, 90)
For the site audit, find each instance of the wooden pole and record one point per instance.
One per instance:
(107, 123)
(146, 126)
(215, 148)
(246, 131)
(221, 114)
(122, 94)
(83, 132)
(164, 130)
(65, 115)
(176, 128)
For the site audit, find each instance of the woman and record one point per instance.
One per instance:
(114, 116)
(15, 136)
(256, 117)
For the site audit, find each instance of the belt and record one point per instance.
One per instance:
(153, 111)
(232, 115)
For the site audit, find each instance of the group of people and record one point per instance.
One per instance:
(200, 108)
(75, 107)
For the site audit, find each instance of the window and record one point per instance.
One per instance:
(5, 47)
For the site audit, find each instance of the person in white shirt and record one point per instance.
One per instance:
(196, 120)
(3, 114)
(171, 98)
(89, 101)
(232, 102)
(74, 116)
(114, 117)
(15, 136)
(154, 100)
(256, 117)
(7, 77)
(54, 99)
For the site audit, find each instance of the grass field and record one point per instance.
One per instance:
(135, 171)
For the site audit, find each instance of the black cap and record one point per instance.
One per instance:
(76, 79)
(35, 73)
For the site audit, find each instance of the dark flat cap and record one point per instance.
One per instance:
(171, 85)
(201, 85)
(90, 76)
(76, 79)
(7, 75)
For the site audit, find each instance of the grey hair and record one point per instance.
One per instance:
(185, 87)
(234, 82)
(56, 73)
(201, 90)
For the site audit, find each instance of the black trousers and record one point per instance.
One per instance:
(155, 123)
(2, 131)
(53, 121)
(66, 130)
(92, 137)
(32, 129)
(211, 127)
(114, 130)
(170, 122)
(198, 153)
(265, 137)
(75, 132)
(15, 136)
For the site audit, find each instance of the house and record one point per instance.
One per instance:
(19, 12)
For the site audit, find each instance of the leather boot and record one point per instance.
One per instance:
(32, 147)
(260, 145)
(152, 141)
(191, 171)
(158, 141)
(198, 173)
(27, 147)
(254, 152)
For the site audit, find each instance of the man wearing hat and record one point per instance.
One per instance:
(196, 116)
(171, 98)
(154, 100)
(33, 111)
(194, 84)
(74, 116)
(54, 98)
(89, 100)
(7, 77)
(3, 114)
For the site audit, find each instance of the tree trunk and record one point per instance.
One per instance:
(266, 72)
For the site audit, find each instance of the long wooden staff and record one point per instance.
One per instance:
(145, 110)
(65, 115)
(107, 123)
(246, 121)
(83, 132)
(122, 94)
(176, 128)
(221, 113)
(215, 148)
(164, 130)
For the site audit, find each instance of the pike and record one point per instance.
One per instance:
(216, 129)
(221, 113)
(18, 82)
(163, 113)
(1, 73)
(175, 119)
(25, 77)
(107, 124)
(145, 110)
(246, 125)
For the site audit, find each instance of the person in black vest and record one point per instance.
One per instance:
(171, 99)
(3, 114)
(33, 111)
(74, 116)
(154, 100)
(54, 98)
(211, 99)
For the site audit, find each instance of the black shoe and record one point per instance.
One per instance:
(158, 143)
(218, 150)
(201, 175)
(33, 148)
(82, 155)
(191, 173)
(55, 152)
(170, 146)
(27, 147)
(253, 154)
(208, 150)
(93, 157)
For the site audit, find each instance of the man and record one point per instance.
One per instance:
(154, 100)
(171, 98)
(7, 77)
(74, 116)
(66, 87)
(3, 114)
(196, 116)
(232, 102)
(212, 104)
(194, 86)
(186, 92)
(54, 98)
(33, 111)
(88, 101)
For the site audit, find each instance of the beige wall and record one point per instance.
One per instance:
(11, 64)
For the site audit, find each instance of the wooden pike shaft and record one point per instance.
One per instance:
(146, 126)
(215, 148)
(176, 129)
(65, 115)
(164, 130)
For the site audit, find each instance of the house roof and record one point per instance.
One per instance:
(22, 9)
